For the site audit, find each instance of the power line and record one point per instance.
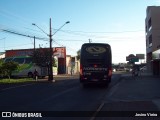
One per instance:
(90, 34)
(16, 33)
(44, 39)
(95, 34)
(85, 32)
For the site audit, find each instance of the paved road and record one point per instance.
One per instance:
(122, 95)
(62, 95)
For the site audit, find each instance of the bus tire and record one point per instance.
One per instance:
(30, 75)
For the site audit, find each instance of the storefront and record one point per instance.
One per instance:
(156, 62)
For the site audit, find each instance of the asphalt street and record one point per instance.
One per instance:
(123, 97)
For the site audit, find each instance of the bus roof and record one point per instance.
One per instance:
(96, 44)
(19, 57)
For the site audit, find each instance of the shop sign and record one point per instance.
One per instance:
(156, 54)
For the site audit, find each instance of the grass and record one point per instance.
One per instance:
(22, 80)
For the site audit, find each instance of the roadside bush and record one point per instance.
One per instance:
(6, 68)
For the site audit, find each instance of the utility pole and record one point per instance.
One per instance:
(50, 78)
(50, 69)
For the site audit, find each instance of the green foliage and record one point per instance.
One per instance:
(6, 68)
(55, 62)
(78, 54)
(1, 62)
(6, 81)
(1, 70)
(41, 57)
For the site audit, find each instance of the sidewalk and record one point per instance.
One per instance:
(146, 88)
(142, 74)
(60, 77)
(66, 76)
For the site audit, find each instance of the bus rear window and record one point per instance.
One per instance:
(96, 54)
(19, 60)
(94, 60)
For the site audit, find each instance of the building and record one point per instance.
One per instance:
(152, 28)
(59, 52)
(72, 64)
(2, 55)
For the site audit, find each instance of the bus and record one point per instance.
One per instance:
(26, 67)
(95, 63)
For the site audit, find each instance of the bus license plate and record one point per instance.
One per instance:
(94, 80)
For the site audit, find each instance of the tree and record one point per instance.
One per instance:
(41, 57)
(7, 68)
(78, 54)
(1, 62)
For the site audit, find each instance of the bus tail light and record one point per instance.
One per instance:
(81, 68)
(110, 72)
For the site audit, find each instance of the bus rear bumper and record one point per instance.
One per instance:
(93, 80)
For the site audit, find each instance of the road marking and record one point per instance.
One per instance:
(99, 109)
(114, 89)
(16, 87)
(56, 95)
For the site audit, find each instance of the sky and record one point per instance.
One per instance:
(120, 23)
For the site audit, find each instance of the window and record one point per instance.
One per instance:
(19, 60)
(150, 40)
(149, 24)
(28, 60)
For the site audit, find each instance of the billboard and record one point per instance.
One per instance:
(140, 56)
(132, 58)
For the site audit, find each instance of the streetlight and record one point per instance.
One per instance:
(61, 27)
(50, 78)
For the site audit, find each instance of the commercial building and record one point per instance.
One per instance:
(65, 63)
(2, 55)
(59, 52)
(152, 28)
(72, 65)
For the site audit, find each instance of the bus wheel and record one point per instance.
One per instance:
(30, 75)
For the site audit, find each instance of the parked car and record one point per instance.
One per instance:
(127, 69)
(114, 70)
(121, 69)
(130, 70)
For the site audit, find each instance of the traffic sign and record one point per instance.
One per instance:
(135, 59)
